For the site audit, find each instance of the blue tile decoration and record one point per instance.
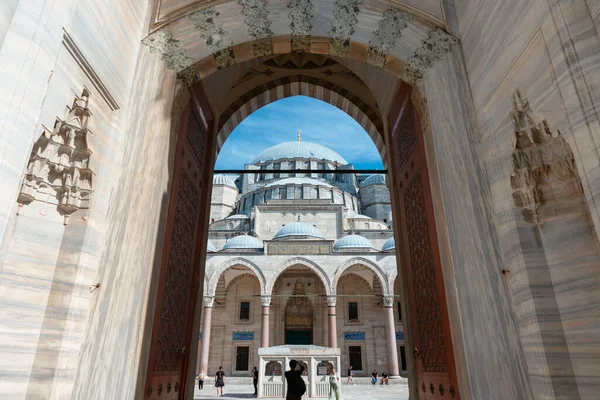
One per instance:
(399, 335)
(243, 335)
(354, 336)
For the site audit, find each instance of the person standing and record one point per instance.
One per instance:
(220, 381)
(255, 380)
(201, 380)
(334, 382)
(350, 375)
(295, 384)
(374, 377)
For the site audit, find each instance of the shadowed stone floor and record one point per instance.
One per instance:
(359, 392)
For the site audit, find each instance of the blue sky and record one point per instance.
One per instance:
(318, 121)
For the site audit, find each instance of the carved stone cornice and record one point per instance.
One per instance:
(265, 300)
(389, 29)
(208, 301)
(59, 171)
(345, 16)
(432, 49)
(543, 164)
(163, 43)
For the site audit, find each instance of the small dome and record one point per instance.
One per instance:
(299, 229)
(243, 242)
(224, 180)
(352, 241)
(298, 181)
(237, 216)
(354, 214)
(377, 179)
(389, 245)
(299, 150)
(211, 247)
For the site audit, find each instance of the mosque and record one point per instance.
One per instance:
(297, 258)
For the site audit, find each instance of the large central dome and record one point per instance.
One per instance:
(298, 150)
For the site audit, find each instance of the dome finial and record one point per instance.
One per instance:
(298, 134)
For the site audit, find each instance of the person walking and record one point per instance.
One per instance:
(334, 381)
(255, 380)
(201, 380)
(384, 378)
(350, 375)
(220, 381)
(295, 384)
(374, 377)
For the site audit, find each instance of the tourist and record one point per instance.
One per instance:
(350, 375)
(220, 381)
(334, 380)
(295, 384)
(374, 377)
(200, 378)
(255, 380)
(384, 378)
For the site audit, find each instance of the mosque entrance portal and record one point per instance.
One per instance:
(299, 317)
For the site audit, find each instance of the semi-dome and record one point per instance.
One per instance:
(389, 245)
(299, 229)
(354, 214)
(243, 242)
(353, 241)
(298, 150)
(223, 180)
(211, 247)
(298, 181)
(373, 180)
(237, 216)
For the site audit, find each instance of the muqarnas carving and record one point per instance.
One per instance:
(58, 171)
(544, 166)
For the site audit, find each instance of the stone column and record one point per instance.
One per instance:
(390, 328)
(265, 301)
(206, 322)
(331, 318)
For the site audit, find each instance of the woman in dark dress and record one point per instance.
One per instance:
(220, 381)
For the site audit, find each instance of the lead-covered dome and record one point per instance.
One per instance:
(211, 247)
(224, 180)
(353, 242)
(299, 150)
(244, 242)
(299, 229)
(298, 181)
(377, 179)
(390, 245)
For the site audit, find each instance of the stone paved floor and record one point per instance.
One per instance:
(358, 392)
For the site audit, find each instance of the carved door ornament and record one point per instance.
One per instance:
(544, 168)
(59, 171)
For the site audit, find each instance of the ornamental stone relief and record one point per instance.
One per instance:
(212, 32)
(163, 43)
(389, 29)
(543, 164)
(59, 171)
(432, 49)
(344, 18)
(258, 25)
(300, 23)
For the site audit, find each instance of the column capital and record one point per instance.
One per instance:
(208, 301)
(265, 300)
(388, 301)
(331, 300)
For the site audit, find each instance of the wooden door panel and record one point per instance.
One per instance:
(429, 325)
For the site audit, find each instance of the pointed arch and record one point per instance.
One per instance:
(299, 261)
(383, 278)
(211, 282)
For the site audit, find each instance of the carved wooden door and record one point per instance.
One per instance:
(181, 269)
(418, 247)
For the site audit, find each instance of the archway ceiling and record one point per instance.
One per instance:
(197, 38)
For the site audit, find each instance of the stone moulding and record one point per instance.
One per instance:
(163, 43)
(58, 170)
(389, 29)
(543, 164)
(432, 49)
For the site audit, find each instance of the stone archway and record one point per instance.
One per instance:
(299, 317)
